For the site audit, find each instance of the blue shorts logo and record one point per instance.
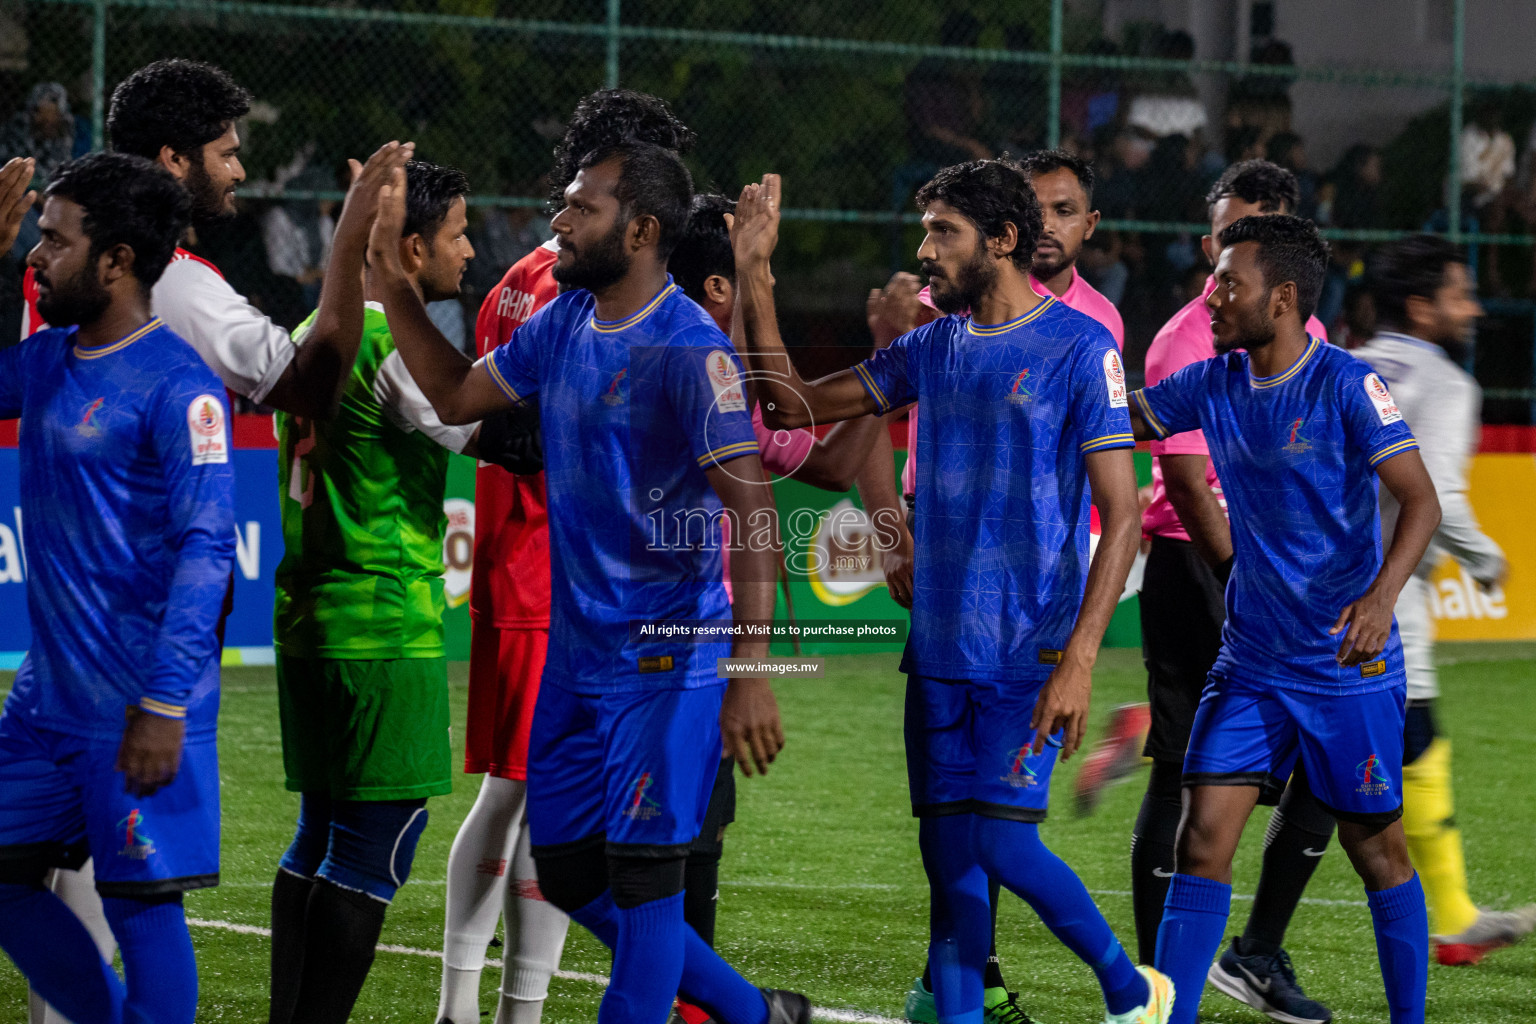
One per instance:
(1373, 779)
(136, 845)
(642, 807)
(1020, 775)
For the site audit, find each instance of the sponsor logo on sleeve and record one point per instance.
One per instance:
(1114, 376)
(1381, 398)
(730, 396)
(205, 425)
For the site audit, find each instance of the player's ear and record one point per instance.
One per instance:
(115, 263)
(1282, 299)
(1093, 222)
(179, 164)
(718, 289)
(412, 250)
(1207, 246)
(644, 230)
(1006, 242)
(1419, 312)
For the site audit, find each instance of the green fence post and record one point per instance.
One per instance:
(1458, 91)
(99, 75)
(1053, 122)
(611, 66)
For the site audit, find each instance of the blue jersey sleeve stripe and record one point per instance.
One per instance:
(1108, 441)
(1140, 398)
(727, 452)
(501, 382)
(1391, 450)
(868, 381)
(162, 709)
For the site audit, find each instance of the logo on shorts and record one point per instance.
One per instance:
(85, 427)
(615, 393)
(1020, 774)
(1297, 444)
(642, 807)
(136, 845)
(1373, 777)
(1020, 393)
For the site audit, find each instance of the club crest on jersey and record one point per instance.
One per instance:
(730, 396)
(1381, 398)
(1020, 775)
(1295, 444)
(639, 806)
(136, 845)
(1021, 392)
(205, 426)
(88, 427)
(1373, 777)
(1114, 377)
(614, 395)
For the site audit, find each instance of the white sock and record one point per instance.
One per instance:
(78, 891)
(478, 866)
(535, 938)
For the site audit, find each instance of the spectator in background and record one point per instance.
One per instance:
(1287, 150)
(44, 130)
(1121, 160)
(1244, 143)
(944, 104)
(1263, 101)
(1487, 158)
(1167, 103)
(1090, 97)
(1356, 187)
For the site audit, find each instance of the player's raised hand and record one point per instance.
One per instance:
(755, 226)
(892, 311)
(15, 198)
(388, 223)
(750, 730)
(1063, 705)
(367, 179)
(1368, 622)
(150, 754)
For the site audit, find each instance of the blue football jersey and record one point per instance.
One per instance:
(1002, 515)
(632, 413)
(1296, 453)
(128, 497)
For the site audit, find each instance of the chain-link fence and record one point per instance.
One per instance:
(856, 103)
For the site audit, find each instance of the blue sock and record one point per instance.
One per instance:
(53, 950)
(600, 917)
(1194, 918)
(647, 962)
(1011, 852)
(157, 958)
(1402, 945)
(959, 917)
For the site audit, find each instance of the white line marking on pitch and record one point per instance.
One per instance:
(821, 1013)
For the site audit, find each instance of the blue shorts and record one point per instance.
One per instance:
(1350, 745)
(968, 749)
(636, 768)
(62, 797)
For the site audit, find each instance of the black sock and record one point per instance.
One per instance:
(1152, 841)
(1299, 824)
(290, 900)
(993, 976)
(341, 930)
(701, 889)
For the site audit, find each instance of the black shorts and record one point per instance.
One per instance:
(1182, 609)
(720, 813)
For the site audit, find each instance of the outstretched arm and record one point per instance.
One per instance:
(312, 383)
(1368, 620)
(788, 402)
(459, 390)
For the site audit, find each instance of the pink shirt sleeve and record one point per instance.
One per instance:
(1172, 350)
(782, 451)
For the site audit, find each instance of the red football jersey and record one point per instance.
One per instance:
(510, 587)
(32, 320)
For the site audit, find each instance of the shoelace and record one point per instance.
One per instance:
(1009, 1011)
(1281, 962)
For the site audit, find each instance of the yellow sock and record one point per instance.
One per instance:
(1434, 842)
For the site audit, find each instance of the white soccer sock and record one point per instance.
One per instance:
(78, 891)
(535, 938)
(478, 866)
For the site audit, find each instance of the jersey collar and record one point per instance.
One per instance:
(988, 330)
(119, 345)
(1285, 375)
(614, 326)
(1408, 339)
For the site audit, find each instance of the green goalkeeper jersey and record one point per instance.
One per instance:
(362, 508)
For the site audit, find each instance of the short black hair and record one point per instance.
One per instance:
(1411, 266)
(184, 104)
(1290, 249)
(127, 201)
(1048, 161)
(1256, 181)
(990, 194)
(652, 181)
(429, 192)
(607, 118)
(705, 248)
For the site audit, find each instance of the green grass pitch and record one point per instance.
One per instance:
(821, 886)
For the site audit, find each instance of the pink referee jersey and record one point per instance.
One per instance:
(1186, 338)
(782, 452)
(1080, 295)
